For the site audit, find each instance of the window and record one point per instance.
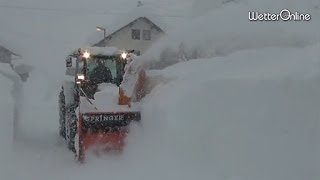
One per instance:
(146, 34)
(137, 52)
(135, 33)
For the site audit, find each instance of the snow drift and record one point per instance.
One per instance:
(251, 115)
(7, 78)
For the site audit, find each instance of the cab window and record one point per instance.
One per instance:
(111, 64)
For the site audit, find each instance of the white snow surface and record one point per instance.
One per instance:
(106, 100)
(251, 115)
(131, 75)
(6, 119)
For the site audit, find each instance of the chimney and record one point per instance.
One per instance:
(139, 4)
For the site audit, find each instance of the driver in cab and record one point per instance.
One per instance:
(100, 74)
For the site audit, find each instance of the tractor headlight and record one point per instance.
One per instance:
(124, 55)
(80, 77)
(86, 54)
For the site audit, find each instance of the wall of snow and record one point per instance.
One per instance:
(6, 120)
(251, 115)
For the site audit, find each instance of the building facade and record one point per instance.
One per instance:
(138, 35)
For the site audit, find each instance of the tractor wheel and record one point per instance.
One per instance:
(71, 126)
(62, 114)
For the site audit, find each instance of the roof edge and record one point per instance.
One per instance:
(11, 52)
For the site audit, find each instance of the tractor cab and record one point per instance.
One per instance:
(94, 67)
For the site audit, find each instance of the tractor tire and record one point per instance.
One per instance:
(71, 126)
(62, 114)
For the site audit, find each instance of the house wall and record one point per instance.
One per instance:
(5, 55)
(123, 38)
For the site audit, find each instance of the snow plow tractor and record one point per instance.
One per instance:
(99, 99)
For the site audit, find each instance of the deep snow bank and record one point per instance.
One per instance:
(251, 115)
(6, 119)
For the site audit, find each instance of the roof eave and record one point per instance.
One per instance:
(11, 52)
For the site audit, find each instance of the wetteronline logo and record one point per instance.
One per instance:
(283, 15)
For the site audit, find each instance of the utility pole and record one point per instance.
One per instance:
(139, 4)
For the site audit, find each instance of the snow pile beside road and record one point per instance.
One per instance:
(6, 120)
(251, 115)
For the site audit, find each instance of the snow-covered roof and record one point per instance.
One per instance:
(104, 51)
(8, 46)
(155, 15)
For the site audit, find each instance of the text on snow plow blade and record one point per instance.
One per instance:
(108, 121)
(107, 130)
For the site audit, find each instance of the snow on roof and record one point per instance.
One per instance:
(155, 15)
(106, 51)
(5, 44)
